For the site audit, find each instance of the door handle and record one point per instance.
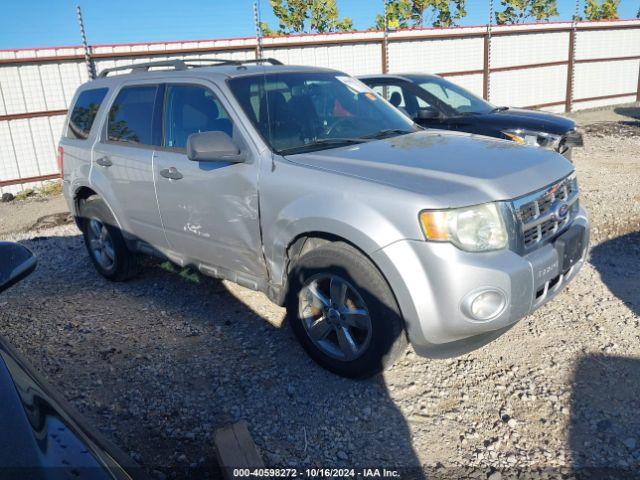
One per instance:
(104, 162)
(171, 173)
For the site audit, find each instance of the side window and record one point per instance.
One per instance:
(84, 113)
(131, 115)
(392, 93)
(395, 96)
(192, 109)
(448, 96)
(456, 100)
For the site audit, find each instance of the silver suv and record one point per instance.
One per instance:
(306, 185)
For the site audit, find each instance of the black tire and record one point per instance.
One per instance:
(387, 339)
(125, 263)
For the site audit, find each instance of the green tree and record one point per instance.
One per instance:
(521, 11)
(607, 10)
(446, 13)
(411, 13)
(397, 12)
(298, 16)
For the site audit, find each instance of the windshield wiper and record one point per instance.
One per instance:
(499, 109)
(321, 144)
(387, 133)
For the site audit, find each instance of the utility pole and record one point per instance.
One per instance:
(91, 68)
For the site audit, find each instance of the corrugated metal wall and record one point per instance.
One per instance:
(526, 65)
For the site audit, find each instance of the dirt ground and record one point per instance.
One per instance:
(159, 362)
(30, 214)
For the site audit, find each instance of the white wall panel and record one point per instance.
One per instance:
(32, 88)
(554, 109)
(603, 103)
(608, 43)
(436, 56)
(57, 124)
(70, 78)
(12, 90)
(24, 148)
(53, 89)
(8, 164)
(605, 78)
(533, 86)
(353, 59)
(513, 50)
(44, 145)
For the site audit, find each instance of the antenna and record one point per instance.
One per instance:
(91, 68)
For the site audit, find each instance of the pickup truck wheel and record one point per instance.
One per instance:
(105, 244)
(344, 313)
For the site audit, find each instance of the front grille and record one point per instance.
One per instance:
(546, 212)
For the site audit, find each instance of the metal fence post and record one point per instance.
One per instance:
(486, 80)
(385, 41)
(91, 69)
(256, 19)
(485, 70)
(568, 104)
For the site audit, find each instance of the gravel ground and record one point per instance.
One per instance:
(17, 216)
(161, 361)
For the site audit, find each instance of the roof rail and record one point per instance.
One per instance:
(183, 65)
(144, 67)
(226, 61)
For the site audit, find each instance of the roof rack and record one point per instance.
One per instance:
(225, 61)
(183, 65)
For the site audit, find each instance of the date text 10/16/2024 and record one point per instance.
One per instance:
(315, 473)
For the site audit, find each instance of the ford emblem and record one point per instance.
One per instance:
(561, 210)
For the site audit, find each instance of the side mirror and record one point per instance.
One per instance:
(428, 114)
(213, 147)
(16, 262)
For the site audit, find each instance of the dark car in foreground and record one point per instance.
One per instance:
(41, 438)
(433, 102)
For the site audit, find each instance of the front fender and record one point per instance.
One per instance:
(337, 215)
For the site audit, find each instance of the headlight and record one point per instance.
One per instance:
(474, 229)
(535, 139)
(573, 138)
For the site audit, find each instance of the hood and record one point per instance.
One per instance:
(514, 118)
(451, 169)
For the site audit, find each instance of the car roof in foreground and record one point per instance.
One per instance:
(221, 71)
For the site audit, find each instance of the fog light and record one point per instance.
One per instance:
(484, 305)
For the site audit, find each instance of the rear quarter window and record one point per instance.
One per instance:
(84, 113)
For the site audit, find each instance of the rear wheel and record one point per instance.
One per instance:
(344, 313)
(104, 241)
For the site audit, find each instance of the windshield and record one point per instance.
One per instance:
(457, 99)
(298, 112)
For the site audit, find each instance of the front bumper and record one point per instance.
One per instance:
(430, 281)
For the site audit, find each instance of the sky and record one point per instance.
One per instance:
(45, 23)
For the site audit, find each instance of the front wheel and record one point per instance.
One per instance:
(344, 313)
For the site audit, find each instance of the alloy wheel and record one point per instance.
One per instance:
(101, 244)
(335, 317)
